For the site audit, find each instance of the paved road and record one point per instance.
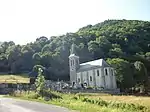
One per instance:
(13, 105)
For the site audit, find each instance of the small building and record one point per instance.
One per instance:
(96, 73)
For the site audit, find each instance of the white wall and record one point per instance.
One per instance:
(114, 80)
(107, 81)
(110, 78)
(79, 77)
(107, 78)
(102, 78)
(91, 74)
(98, 78)
(84, 77)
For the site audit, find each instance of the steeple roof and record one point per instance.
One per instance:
(73, 51)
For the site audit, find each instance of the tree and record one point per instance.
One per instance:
(123, 71)
(141, 75)
(14, 58)
(37, 58)
(94, 48)
(127, 40)
(147, 56)
(116, 51)
(40, 82)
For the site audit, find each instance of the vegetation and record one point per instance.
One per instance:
(83, 102)
(124, 43)
(40, 83)
(93, 102)
(14, 79)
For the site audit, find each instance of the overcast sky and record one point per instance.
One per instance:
(23, 21)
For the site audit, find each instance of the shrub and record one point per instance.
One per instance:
(50, 95)
(111, 104)
(75, 98)
(89, 87)
(33, 96)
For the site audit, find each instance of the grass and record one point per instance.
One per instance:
(127, 99)
(14, 79)
(94, 102)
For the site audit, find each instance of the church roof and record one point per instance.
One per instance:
(93, 65)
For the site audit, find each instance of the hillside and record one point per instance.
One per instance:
(123, 41)
(13, 79)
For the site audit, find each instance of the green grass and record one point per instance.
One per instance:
(145, 101)
(91, 104)
(4, 78)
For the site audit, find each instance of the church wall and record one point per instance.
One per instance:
(91, 78)
(84, 77)
(114, 80)
(73, 64)
(72, 77)
(108, 78)
(98, 75)
(79, 80)
(103, 79)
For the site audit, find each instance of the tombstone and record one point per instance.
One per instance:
(75, 86)
(85, 85)
(82, 86)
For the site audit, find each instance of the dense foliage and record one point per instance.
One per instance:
(40, 82)
(122, 41)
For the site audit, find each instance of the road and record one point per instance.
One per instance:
(15, 105)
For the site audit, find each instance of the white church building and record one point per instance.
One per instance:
(97, 73)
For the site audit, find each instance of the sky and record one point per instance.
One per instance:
(23, 21)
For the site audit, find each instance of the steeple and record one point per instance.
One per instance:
(73, 64)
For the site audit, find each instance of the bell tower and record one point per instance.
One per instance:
(73, 65)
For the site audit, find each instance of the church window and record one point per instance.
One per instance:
(73, 83)
(97, 72)
(90, 78)
(78, 79)
(106, 72)
(71, 62)
(112, 72)
(76, 61)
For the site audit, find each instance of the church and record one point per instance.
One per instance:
(97, 73)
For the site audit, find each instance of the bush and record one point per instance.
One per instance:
(111, 104)
(50, 95)
(75, 98)
(33, 96)
(89, 87)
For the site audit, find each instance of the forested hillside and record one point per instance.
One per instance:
(125, 44)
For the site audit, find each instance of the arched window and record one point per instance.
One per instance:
(90, 78)
(112, 72)
(97, 72)
(78, 79)
(106, 72)
(76, 62)
(73, 83)
(70, 62)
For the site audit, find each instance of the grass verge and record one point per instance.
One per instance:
(84, 103)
